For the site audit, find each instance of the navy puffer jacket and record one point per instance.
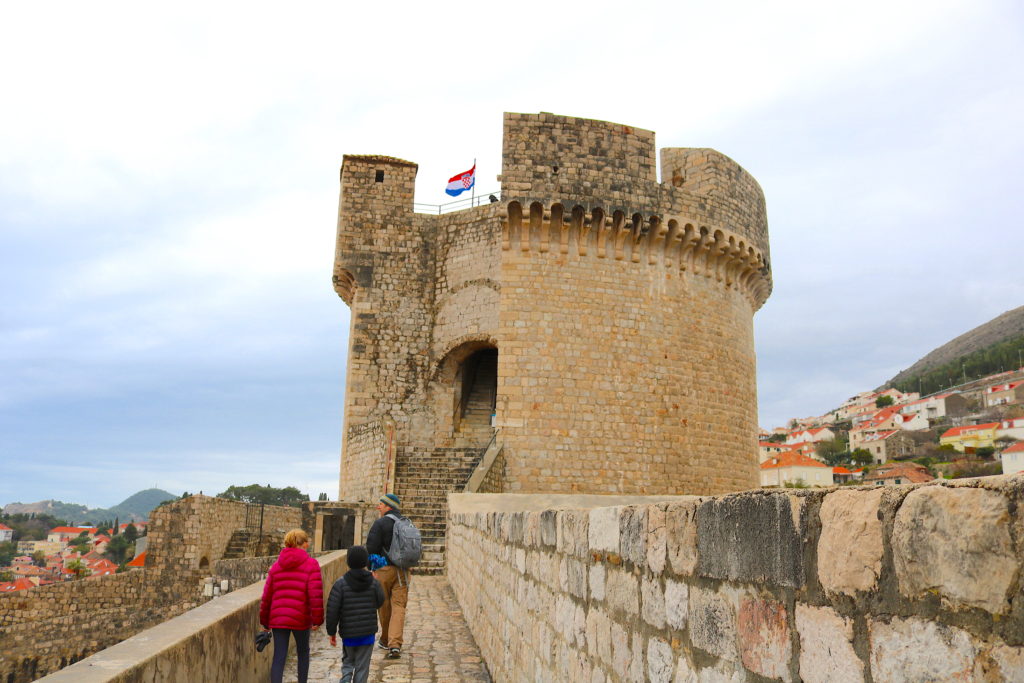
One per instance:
(353, 604)
(293, 596)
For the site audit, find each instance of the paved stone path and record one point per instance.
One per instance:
(438, 644)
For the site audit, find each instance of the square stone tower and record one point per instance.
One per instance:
(594, 324)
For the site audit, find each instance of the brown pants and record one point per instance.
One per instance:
(395, 583)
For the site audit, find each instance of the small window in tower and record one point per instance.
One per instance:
(380, 177)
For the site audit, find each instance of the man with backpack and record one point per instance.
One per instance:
(394, 546)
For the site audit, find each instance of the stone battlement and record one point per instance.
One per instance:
(901, 583)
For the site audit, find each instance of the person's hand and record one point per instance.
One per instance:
(334, 641)
(317, 627)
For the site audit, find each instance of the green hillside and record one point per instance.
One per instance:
(134, 508)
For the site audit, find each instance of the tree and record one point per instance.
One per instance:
(6, 575)
(39, 558)
(131, 533)
(322, 496)
(8, 551)
(119, 550)
(268, 495)
(832, 452)
(776, 438)
(883, 401)
(81, 543)
(861, 456)
(78, 568)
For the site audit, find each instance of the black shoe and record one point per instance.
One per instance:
(382, 645)
(393, 653)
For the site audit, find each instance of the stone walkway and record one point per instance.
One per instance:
(438, 644)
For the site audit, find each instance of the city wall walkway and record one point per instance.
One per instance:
(438, 644)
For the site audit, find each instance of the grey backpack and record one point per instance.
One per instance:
(406, 545)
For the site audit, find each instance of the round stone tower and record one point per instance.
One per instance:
(593, 329)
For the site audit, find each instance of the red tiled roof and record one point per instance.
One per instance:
(791, 459)
(139, 561)
(957, 431)
(76, 530)
(1015, 448)
(840, 470)
(4, 527)
(910, 471)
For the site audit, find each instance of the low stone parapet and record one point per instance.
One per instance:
(213, 642)
(902, 583)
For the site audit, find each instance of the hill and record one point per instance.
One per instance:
(134, 508)
(986, 349)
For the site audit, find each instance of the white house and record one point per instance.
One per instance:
(792, 468)
(1013, 458)
(6, 533)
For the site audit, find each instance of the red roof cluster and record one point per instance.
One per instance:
(957, 431)
(791, 459)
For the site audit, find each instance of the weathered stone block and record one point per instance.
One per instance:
(750, 537)
(850, 548)
(572, 532)
(918, 650)
(633, 535)
(657, 538)
(622, 591)
(713, 623)
(763, 636)
(955, 541)
(599, 634)
(676, 604)
(659, 661)
(603, 529)
(826, 646)
(681, 536)
(652, 600)
(597, 581)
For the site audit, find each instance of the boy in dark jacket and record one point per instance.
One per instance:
(352, 612)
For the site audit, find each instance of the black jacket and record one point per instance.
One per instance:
(353, 603)
(378, 540)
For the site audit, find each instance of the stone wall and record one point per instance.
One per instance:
(48, 627)
(905, 583)
(192, 533)
(366, 464)
(210, 643)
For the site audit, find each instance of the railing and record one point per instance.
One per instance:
(458, 204)
(491, 453)
(254, 517)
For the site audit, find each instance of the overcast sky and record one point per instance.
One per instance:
(169, 180)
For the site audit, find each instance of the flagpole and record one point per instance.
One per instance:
(472, 197)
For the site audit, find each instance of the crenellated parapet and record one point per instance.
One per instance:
(675, 243)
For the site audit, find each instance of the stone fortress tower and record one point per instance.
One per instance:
(594, 325)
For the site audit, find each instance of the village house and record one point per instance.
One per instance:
(6, 533)
(970, 438)
(766, 449)
(63, 534)
(1012, 458)
(897, 473)
(795, 468)
(885, 420)
(1004, 394)
(950, 404)
(810, 436)
(841, 475)
(888, 445)
(1013, 428)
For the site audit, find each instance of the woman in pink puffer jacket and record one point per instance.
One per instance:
(292, 603)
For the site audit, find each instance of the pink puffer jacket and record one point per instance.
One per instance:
(293, 596)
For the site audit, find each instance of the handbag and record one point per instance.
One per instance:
(262, 639)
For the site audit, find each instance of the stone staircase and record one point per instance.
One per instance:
(423, 482)
(475, 428)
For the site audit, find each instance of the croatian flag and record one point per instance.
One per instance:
(458, 184)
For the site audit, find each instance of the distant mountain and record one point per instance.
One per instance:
(134, 508)
(984, 350)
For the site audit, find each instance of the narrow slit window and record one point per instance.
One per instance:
(380, 177)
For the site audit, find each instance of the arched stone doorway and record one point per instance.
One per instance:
(469, 376)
